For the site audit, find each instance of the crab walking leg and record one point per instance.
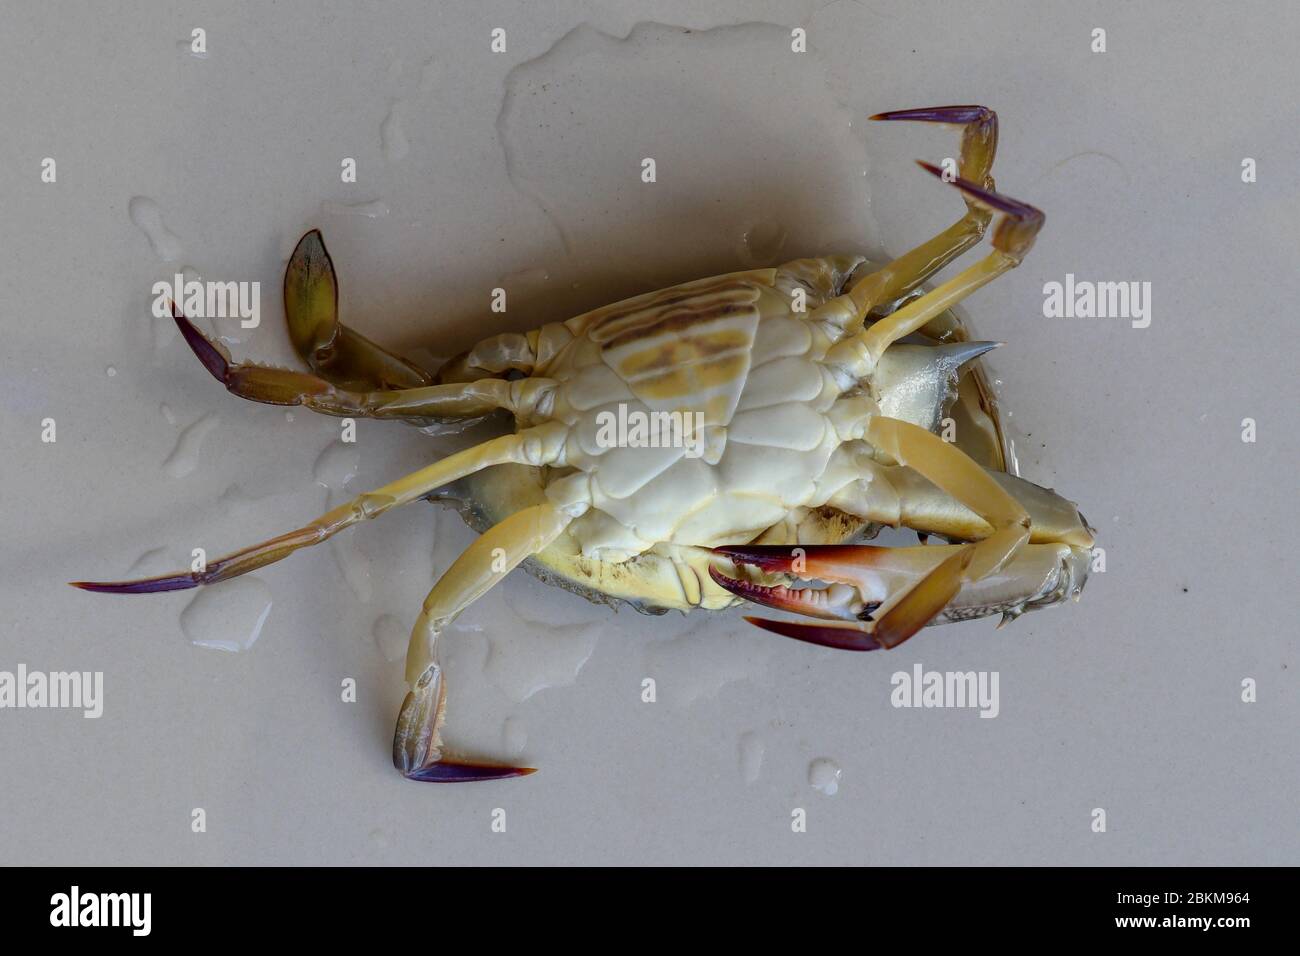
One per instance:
(979, 143)
(417, 743)
(1012, 239)
(534, 446)
(282, 386)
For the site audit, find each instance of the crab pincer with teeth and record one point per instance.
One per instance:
(812, 412)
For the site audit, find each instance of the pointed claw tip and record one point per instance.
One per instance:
(453, 772)
(142, 586)
(209, 354)
(958, 115)
(839, 638)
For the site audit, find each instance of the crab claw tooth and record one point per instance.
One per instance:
(939, 114)
(834, 603)
(825, 635)
(852, 564)
(767, 557)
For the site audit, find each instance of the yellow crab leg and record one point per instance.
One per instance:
(534, 446)
(417, 744)
(1013, 237)
(978, 145)
(282, 386)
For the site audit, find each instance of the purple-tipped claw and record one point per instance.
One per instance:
(210, 355)
(449, 771)
(824, 635)
(940, 114)
(174, 582)
(1012, 207)
(416, 752)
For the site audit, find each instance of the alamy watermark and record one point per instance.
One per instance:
(1083, 299)
(634, 428)
(922, 688)
(76, 908)
(198, 299)
(73, 690)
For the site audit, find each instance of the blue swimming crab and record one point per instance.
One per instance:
(812, 400)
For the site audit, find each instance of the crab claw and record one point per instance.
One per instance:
(416, 746)
(915, 583)
(841, 601)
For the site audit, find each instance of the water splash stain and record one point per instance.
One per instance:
(228, 616)
(147, 216)
(184, 457)
(824, 776)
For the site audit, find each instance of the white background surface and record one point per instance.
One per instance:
(523, 168)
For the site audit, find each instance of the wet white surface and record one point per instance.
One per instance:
(523, 169)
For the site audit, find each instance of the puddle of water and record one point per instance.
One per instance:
(723, 170)
(752, 750)
(374, 209)
(147, 216)
(335, 469)
(390, 637)
(514, 736)
(391, 135)
(184, 457)
(227, 616)
(703, 660)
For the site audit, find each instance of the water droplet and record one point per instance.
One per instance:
(288, 416)
(390, 637)
(337, 465)
(168, 415)
(392, 136)
(144, 212)
(702, 661)
(374, 209)
(227, 616)
(110, 371)
(185, 456)
(824, 775)
(762, 243)
(514, 736)
(526, 655)
(751, 756)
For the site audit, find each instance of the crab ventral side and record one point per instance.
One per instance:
(812, 422)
